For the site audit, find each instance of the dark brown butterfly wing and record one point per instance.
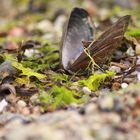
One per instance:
(104, 46)
(78, 28)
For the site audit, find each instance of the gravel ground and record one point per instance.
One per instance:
(105, 118)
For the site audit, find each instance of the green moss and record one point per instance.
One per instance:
(133, 32)
(27, 71)
(95, 80)
(59, 97)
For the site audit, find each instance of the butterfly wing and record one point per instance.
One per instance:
(104, 46)
(78, 28)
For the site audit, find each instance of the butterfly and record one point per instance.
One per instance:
(79, 34)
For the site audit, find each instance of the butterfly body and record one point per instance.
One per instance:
(100, 49)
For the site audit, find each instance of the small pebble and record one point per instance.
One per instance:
(138, 60)
(104, 133)
(106, 103)
(30, 52)
(74, 86)
(25, 111)
(124, 85)
(73, 106)
(137, 49)
(130, 51)
(34, 99)
(3, 105)
(91, 108)
(82, 111)
(86, 90)
(118, 105)
(103, 14)
(21, 104)
(113, 118)
(45, 26)
(115, 69)
(17, 32)
(138, 76)
(36, 110)
(116, 86)
(131, 102)
(118, 55)
(11, 46)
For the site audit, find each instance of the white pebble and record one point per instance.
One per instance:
(21, 103)
(115, 69)
(3, 104)
(124, 85)
(130, 51)
(138, 76)
(30, 52)
(86, 90)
